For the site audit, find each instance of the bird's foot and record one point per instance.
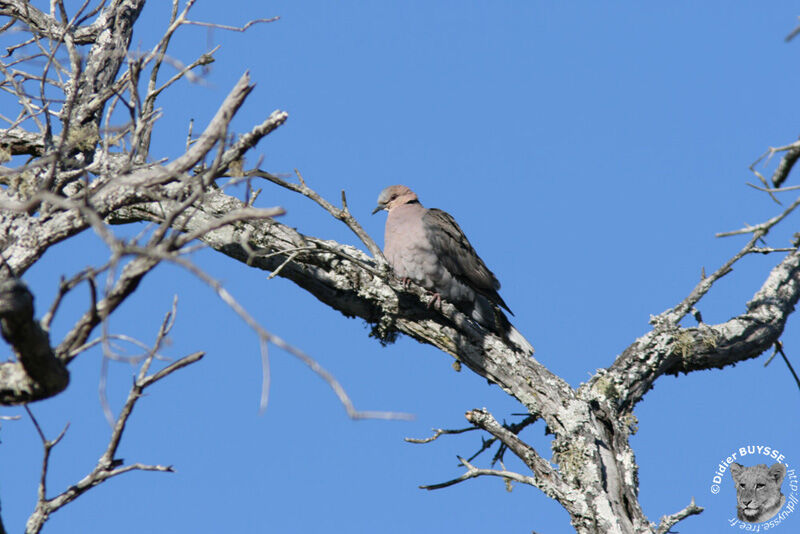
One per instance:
(405, 282)
(436, 299)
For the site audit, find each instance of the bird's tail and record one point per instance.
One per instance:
(493, 318)
(513, 335)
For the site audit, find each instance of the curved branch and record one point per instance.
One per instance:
(38, 373)
(474, 472)
(547, 478)
(672, 350)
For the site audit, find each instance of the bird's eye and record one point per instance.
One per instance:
(759, 485)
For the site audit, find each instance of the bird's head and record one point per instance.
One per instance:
(394, 195)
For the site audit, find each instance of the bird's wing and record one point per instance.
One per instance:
(457, 255)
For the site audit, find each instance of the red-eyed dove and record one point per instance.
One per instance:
(428, 247)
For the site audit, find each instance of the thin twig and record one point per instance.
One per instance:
(440, 432)
(792, 34)
(474, 472)
(675, 314)
(774, 189)
(764, 227)
(231, 28)
(280, 267)
(342, 214)
(704, 286)
(779, 350)
(108, 465)
(265, 376)
(770, 250)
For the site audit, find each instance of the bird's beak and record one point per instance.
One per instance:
(378, 208)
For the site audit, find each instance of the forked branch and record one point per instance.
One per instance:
(474, 472)
(108, 465)
(668, 521)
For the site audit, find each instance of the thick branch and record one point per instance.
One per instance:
(345, 278)
(39, 374)
(109, 50)
(44, 25)
(785, 165)
(671, 350)
(127, 283)
(18, 141)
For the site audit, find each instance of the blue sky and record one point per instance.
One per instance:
(590, 151)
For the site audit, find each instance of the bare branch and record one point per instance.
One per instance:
(347, 287)
(674, 315)
(21, 142)
(95, 173)
(78, 180)
(215, 130)
(792, 34)
(108, 465)
(440, 432)
(774, 189)
(128, 281)
(770, 250)
(668, 521)
(783, 168)
(263, 334)
(38, 374)
(250, 139)
(779, 350)
(474, 472)
(763, 228)
(546, 477)
(342, 214)
(265, 376)
(670, 350)
(232, 28)
(46, 26)
(244, 214)
(786, 164)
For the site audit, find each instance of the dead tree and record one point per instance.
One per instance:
(77, 157)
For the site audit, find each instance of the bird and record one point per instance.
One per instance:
(427, 246)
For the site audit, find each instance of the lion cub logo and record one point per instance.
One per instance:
(758, 491)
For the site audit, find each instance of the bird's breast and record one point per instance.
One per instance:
(407, 248)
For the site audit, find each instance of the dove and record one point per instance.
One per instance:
(428, 247)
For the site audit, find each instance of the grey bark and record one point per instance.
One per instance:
(75, 183)
(37, 373)
(596, 480)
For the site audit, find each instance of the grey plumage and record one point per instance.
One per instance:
(428, 247)
(457, 255)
